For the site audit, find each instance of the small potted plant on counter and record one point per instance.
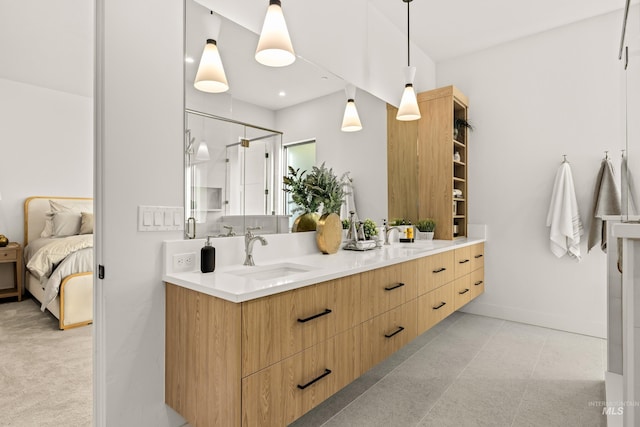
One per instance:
(426, 228)
(370, 229)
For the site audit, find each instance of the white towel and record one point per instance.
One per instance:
(563, 216)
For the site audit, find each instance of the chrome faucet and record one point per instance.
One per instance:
(387, 231)
(229, 233)
(249, 240)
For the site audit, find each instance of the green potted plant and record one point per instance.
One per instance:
(458, 124)
(323, 185)
(306, 203)
(370, 229)
(426, 228)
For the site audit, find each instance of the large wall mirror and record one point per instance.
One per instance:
(233, 143)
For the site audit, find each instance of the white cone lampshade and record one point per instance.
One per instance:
(409, 109)
(211, 76)
(202, 155)
(274, 47)
(351, 120)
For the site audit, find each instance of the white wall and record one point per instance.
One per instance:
(531, 101)
(46, 148)
(363, 154)
(140, 158)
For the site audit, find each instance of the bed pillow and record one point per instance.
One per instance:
(66, 223)
(86, 223)
(47, 231)
(56, 206)
(71, 206)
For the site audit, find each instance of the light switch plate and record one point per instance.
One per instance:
(160, 218)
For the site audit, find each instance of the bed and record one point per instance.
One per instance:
(58, 252)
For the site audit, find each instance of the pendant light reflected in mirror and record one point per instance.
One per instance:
(202, 154)
(351, 119)
(408, 109)
(211, 76)
(274, 47)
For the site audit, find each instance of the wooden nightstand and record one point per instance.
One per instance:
(13, 253)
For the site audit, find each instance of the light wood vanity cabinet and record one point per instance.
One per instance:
(435, 271)
(283, 392)
(388, 287)
(280, 325)
(268, 361)
(462, 261)
(387, 333)
(477, 256)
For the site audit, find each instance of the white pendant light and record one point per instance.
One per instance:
(409, 109)
(351, 120)
(202, 155)
(274, 47)
(211, 76)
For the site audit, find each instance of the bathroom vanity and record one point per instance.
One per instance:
(261, 346)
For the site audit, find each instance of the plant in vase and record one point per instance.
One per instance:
(326, 187)
(426, 228)
(306, 203)
(458, 124)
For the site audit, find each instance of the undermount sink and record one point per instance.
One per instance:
(274, 271)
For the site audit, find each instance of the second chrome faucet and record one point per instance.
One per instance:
(249, 240)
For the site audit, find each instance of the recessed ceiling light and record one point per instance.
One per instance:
(188, 60)
(282, 93)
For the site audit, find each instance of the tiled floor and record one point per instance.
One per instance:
(477, 371)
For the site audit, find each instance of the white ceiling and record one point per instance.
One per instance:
(50, 43)
(444, 29)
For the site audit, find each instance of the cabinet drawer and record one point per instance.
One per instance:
(9, 255)
(435, 306)
(477, 256)
(477, 282)
(280, 325)
(462, 261)
(462, 291)
(387, 333)
(281, 393)
(434, 271)
(388, 287)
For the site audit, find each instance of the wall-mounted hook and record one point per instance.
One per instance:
(564, 160)
(606, 155)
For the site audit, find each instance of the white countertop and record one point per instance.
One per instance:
(230, 282)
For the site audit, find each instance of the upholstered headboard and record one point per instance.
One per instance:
(36, 208)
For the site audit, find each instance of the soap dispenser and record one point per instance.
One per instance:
(207, 257)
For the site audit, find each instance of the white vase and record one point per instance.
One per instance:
(429, 235)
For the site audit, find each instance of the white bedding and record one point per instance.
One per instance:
(57, 258)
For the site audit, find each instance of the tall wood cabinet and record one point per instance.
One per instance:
(423, 167)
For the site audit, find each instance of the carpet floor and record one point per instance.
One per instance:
(45, 373)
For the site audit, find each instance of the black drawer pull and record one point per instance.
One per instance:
(440, 270)
(463, 261)
(464, 292)
(479, 282)
(326, 372)
(442, 304)
(400, 329)
(390, 288)
(315, 316)
(478, 256)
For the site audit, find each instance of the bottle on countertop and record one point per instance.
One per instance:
(207, 257)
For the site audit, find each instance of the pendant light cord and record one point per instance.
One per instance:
(408, 33)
